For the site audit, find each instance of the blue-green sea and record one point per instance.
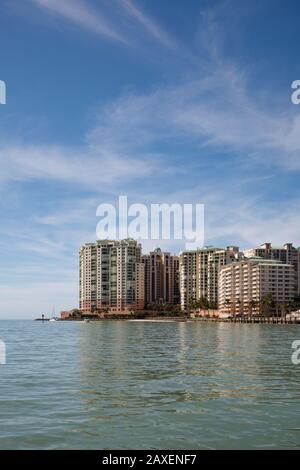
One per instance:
(148, 385)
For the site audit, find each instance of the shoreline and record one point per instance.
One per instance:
(256, 321)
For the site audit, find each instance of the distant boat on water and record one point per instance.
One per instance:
(43, 318)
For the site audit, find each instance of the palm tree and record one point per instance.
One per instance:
(227, 305)
(289, 306)
(253, 305)
(247, 311)
(233, 309)
(267, 304)
(203, 303)
(238, 304)
(191, 305)
(296, 302)
(277, 309)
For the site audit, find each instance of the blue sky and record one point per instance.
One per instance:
(174, 101)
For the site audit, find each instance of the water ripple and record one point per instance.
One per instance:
(123, 385)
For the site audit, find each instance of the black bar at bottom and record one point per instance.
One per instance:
(133, 459)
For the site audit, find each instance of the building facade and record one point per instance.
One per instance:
(199, 273)
(288, 254)
(244, 285)
(161, 278)
(176, 279)
(114, 276)
(111, 276)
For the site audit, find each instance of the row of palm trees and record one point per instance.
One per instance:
(202, 303)
(265, 307)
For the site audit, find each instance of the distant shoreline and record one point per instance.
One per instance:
(161, 319)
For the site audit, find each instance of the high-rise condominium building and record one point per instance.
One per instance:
(287, 254)
(161, 277)
(111, 276)
(199, 272)
(243, 285)
(176, 279)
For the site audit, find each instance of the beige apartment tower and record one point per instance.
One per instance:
(288, 254)
(111, 276)
(199, 273)
(244, 284)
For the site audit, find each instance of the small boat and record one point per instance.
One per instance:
(53, 318)
(43, 318)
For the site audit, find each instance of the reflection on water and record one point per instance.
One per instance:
(175, 385)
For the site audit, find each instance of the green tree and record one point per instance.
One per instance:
(238, 305)
(267, 304)
(228, 305)
(289, 306)
(253, 306)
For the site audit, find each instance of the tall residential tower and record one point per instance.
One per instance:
(199, 272)
(111, 276)
(161, 278)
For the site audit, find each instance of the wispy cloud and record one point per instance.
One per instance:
(121, 21)
(150, 26)
(84, 167)
(211, 113)
(83, 15)
(33, 241)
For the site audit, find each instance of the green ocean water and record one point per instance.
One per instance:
(146, 385)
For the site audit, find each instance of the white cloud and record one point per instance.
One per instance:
(213, 112)
(213, 107)
(247, 220)
(122, 22)
(83, 15)
(78, 167)
(149, 24)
